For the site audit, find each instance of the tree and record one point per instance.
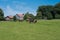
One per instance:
(32, 16)
(44, 11)
(57, 8)
(1, 15)
(40, 13)
(57, 5)
(14, 18)
(28, 15)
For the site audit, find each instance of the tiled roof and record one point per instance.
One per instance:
(10, 16)
(20, 15)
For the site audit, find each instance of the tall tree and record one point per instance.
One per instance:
(45, 11)
(40, 12)
(28, 15)
(57, 8)
(14, 18)
(1, 15)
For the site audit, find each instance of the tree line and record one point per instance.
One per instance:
(43, 12)
(48, 12)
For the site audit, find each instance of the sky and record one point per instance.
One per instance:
(13, 7)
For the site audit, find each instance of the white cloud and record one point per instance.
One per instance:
(18, 2)
(10, 11)
(23, 7)
(18, 8)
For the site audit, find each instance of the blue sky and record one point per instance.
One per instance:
(12, 7)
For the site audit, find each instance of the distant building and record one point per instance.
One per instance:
(8, 18)
(20, 17)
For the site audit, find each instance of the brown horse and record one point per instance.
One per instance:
(31, 20)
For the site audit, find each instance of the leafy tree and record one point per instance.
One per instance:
(44, 11)
(57, 8)
(32, 16)
(1, 15)
(14, 18)
(40, 13)
(28, 15)
(57, 5)
(57, 16)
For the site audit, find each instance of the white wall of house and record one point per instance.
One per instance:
(7, 19)
(19, 18)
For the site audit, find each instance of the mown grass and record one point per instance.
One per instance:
(42, 30)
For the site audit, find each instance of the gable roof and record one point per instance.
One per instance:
(20, 15)
(10, 16)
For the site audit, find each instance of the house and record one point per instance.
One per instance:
(20, 17)
(8, 18)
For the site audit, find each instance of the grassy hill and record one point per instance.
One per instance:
(42, 30)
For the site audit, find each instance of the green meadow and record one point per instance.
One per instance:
(42, 30)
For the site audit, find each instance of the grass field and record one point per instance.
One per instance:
(42, 30)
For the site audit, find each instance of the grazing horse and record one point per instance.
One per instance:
(35, 20)
(31, 20)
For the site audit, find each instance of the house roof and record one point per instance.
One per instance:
(20, 15)
(10, 16)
